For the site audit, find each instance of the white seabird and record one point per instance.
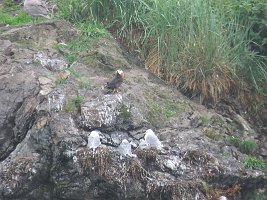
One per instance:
(93, 140)
(152, 140)
(125, 148)
(143, 144)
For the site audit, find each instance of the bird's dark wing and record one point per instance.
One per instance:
(111, 85)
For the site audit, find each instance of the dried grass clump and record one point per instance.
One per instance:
(95, 162)
(197, 158)
(194, 75)
(19, 170)
(136, 170)
(181, 189)
(215, 193)
(152, 62)
(147, 156)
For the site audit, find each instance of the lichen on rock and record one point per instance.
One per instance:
(45, 127)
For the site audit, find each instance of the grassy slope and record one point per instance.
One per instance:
(199, 46)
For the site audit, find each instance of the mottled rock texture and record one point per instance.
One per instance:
(45, 123)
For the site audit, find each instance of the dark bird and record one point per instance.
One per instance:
(116, 82)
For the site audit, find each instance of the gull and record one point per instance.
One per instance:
(36, 9)
(125, 148)
(152, 140)
(93, 140)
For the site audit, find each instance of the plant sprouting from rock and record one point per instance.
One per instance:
(75, 102)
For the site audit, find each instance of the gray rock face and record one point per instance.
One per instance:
(101, 112)
(18, 100)
(44, 130)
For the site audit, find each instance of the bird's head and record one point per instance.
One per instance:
(94, 134)
(120, 73)
(149, 132)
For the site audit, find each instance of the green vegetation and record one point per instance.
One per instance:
(248, 146)
(256, 196)
(88, 34)
(85, 85)
(204, 119)
(234, 140)
(202, 46)
(75, 102)
(255, 12)
(73, 48)
(212, 134)
(205, 186)
(233, 127)
(255, 163)
(11, 13)
(74, 72)
(245, 146)
(217, 121)
(60, 81)
(159, 112)
(10, 5)
(124, 114)
(20, 18)
(170, 109)
(155, 113)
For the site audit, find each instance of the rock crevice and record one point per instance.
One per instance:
(46, 118)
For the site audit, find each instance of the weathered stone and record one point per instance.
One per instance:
(44, 130)
(46, 85)
(101, 112)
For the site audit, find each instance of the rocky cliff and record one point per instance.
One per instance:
(49, 106)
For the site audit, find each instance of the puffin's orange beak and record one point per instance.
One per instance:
(122, 75)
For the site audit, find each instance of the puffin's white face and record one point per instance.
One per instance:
(120, 72)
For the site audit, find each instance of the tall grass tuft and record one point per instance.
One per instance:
(199, 46)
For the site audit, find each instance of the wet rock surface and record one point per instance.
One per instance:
(45, 124)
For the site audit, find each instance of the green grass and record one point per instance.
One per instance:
(124, 113)
(88, 34)
(74, 72)
(197, 45)
(60, 81)
(234, 140)
(20, 18)
(204, 119)
(255, 163)
(155, 113)
(85, 85)
(160, 111)
(75, 102)
(212, 134)
(247, 146)
(73, 48)
(9, 6)
(12, 13)
(170, 109)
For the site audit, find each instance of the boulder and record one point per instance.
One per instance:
(45, 121)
